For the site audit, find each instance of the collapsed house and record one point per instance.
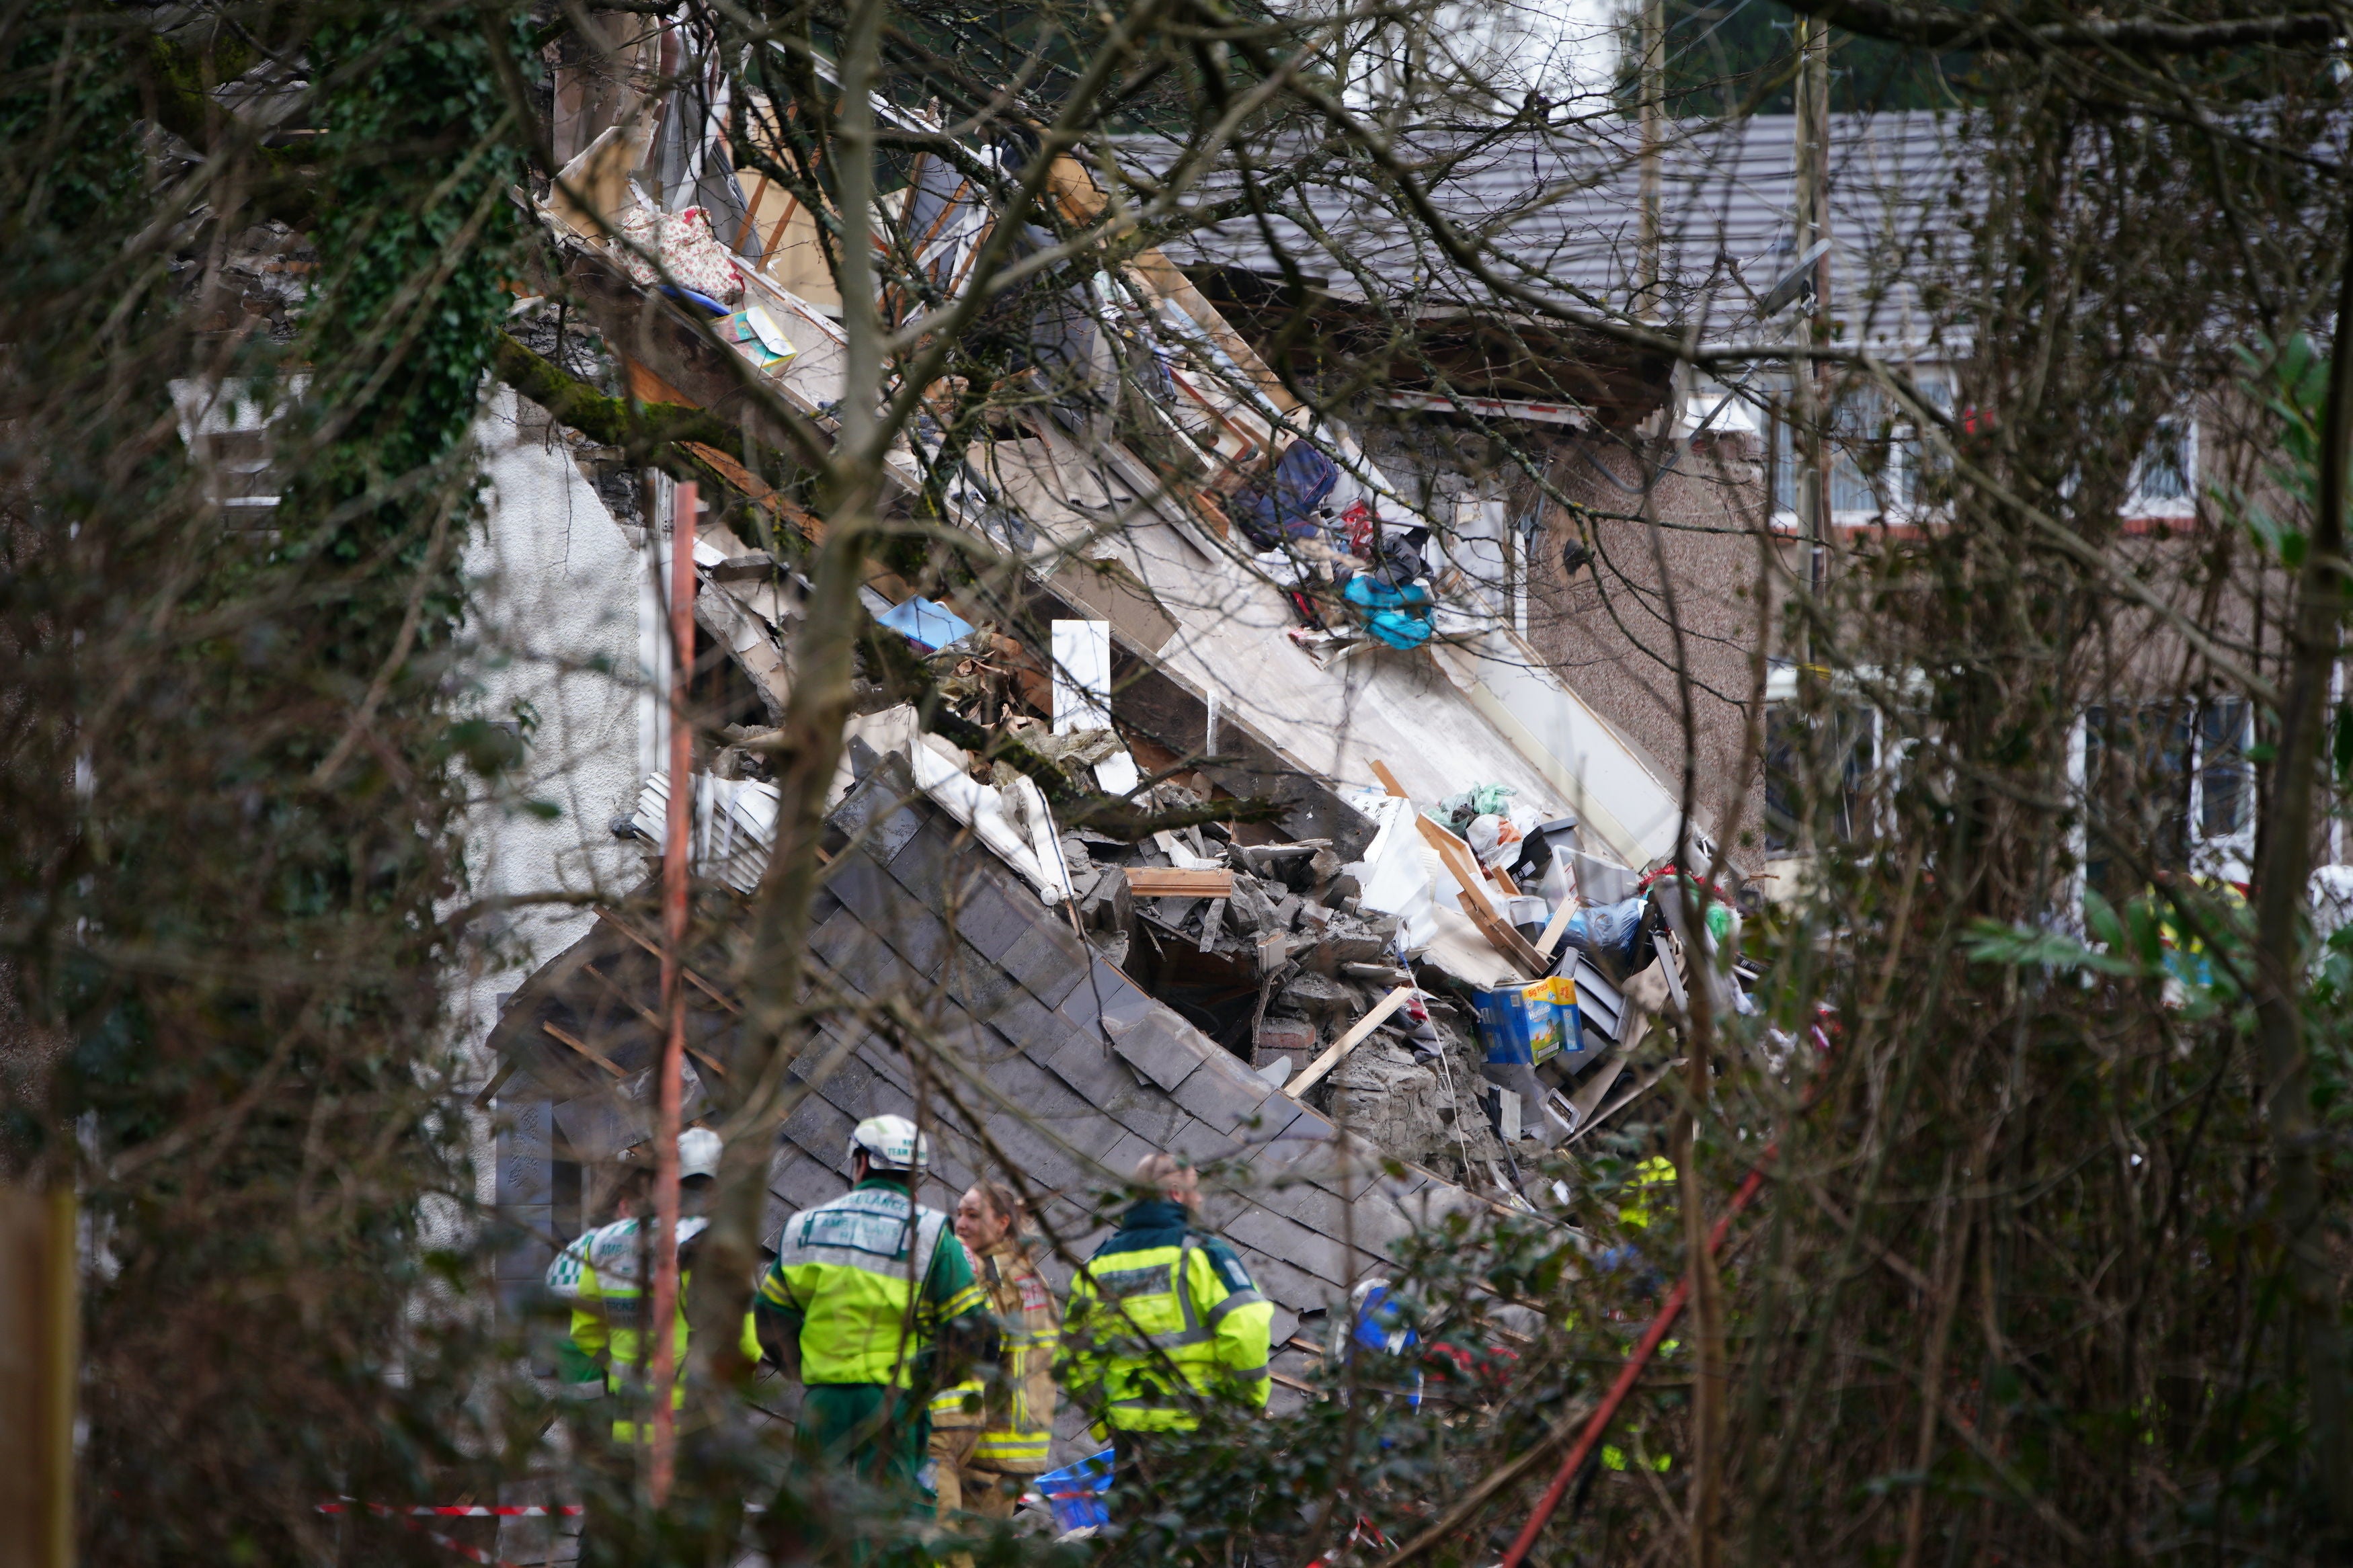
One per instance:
(1425, 955)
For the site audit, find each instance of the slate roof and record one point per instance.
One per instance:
(1561, 209)
(1054, 1062)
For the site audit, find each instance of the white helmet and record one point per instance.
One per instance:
(698, 1153)
(892, 1143)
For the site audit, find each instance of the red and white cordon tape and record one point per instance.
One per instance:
(459, 1510)
(409, 1517)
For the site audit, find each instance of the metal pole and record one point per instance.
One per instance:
(676, 850)
(1655, 109)
(1627, 1375)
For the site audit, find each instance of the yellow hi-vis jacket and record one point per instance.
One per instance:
(864, 1285)
(1015, 1409)
(606, 1277)
(1160, 1319)
(1650, 1178)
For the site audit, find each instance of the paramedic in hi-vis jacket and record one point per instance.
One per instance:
(606, 1278)
(1164, 1322)
(872, 1303)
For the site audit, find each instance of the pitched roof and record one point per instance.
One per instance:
(1558, 211)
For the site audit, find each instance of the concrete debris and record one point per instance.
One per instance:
(1407, 1106)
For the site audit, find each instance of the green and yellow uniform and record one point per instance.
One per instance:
(605, 1276)
(1651, 1178)
(988, 1435)
(864, 1287)
(1162, 1319)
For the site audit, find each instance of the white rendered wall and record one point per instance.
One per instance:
(556, 584)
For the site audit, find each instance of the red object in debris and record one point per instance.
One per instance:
(1644, 1349)
(412, 1518)
(1366, 1533)
(1489, 1366)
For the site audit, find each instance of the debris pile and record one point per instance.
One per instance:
(1185, 911)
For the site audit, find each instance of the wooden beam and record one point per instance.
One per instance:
(1555, 927)
(1313, 1073)
(750, 208)
(1465, 869)
(697, 980)
(584, 1047)
(1167, 882)
(651, 1019)
(1622, 1101)
(1500, 932)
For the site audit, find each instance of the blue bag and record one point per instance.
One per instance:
(1613, 935)
(1076, 1493)
(1282, 505)
(1399, 616)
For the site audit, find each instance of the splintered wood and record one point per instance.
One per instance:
(1313, 1073)
(1167, 882)
(1464, 867)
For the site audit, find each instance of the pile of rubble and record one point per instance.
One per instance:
(1449, 977)
(1446, 996)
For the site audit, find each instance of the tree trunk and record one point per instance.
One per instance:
(2283, 864)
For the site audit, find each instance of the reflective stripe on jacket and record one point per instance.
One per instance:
(608, 1329)
(1014, 1409)
(1161, 1318)
(865, 1283)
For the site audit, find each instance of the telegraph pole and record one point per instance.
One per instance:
(1811, 127)
(1653, 89)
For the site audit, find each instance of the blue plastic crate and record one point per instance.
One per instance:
(1076, 1494)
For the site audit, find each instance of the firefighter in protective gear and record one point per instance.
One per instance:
(606, 1276)
(1163, 1320)
(871, 1303)
(991, 1435)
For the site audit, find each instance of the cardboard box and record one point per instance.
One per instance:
(1527, 1024)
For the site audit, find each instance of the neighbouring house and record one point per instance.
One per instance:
(1648, 558)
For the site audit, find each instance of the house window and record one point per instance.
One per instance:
(2224, 786)
(1849, 745)
(2168, 787)
(228, 428)
(2165, 476)
(1877, 457)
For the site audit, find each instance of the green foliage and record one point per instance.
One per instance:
(2291, 381)
(233, 943)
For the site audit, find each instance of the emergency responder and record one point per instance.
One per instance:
(991, 1435)
(871, 1303)
(1163, 1321)
(605, 1276)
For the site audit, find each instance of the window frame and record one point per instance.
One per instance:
(1897, 479)
(1866, 808)
(2139, 504)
